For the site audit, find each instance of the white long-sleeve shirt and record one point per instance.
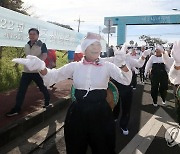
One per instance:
(174, 75)
(168, 61)
(88, 77)
(153, 59)
(136, 57)
(130, 61)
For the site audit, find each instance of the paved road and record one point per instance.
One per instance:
(148, 125)
(33, 101)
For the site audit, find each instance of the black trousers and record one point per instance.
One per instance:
(177, 103)
(24, 83)
(125, 101)
(141, 72)
(159, 84)
(134, 80)
(89, 121)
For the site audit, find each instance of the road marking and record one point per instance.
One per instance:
(140, 143)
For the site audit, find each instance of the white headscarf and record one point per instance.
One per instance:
(87, 42)
(90, 39)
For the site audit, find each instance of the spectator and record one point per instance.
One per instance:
(37, 48)
(111, 51)
(51, 59)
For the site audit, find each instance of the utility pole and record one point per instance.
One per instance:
(100, 30)
(79, 22)
(108, 29)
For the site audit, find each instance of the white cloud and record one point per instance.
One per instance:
(94, 11)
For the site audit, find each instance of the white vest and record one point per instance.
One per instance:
(35, 50)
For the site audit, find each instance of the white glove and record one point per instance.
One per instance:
(175, 52)
(124, 48)
(120, 56)
(159, 47)
(33, 63)
(146, 53)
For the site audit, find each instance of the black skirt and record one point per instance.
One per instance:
(89, 122)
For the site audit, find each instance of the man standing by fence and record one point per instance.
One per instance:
(37, 48)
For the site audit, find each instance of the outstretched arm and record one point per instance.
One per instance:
(168, 61)
(174, 73)
(122, 75)
(148, 65)
(49, 76)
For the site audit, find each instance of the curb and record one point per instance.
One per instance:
(22, 125)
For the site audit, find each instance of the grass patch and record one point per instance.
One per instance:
(10, 74)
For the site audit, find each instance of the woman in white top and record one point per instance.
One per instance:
(159, 76)
(174, 74)
(125, 91)
(89, 120)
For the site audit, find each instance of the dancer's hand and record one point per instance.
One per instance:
(146, 53)
(120, 55)
(175, 52)
(31, 62)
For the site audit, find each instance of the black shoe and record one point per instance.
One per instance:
(13, 112)
(47, 106)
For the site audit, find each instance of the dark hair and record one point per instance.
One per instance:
(34, 29)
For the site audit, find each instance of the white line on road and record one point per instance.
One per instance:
(140, 143)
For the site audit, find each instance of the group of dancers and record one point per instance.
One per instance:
(90, 120)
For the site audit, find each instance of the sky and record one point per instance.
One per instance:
(92, 12)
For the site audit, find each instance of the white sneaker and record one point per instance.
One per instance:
(134, 88)
(47, 106)
(155, 104)
(164, 103)
(125, 131)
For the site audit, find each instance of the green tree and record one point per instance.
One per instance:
(152, 41)
(15, 5)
